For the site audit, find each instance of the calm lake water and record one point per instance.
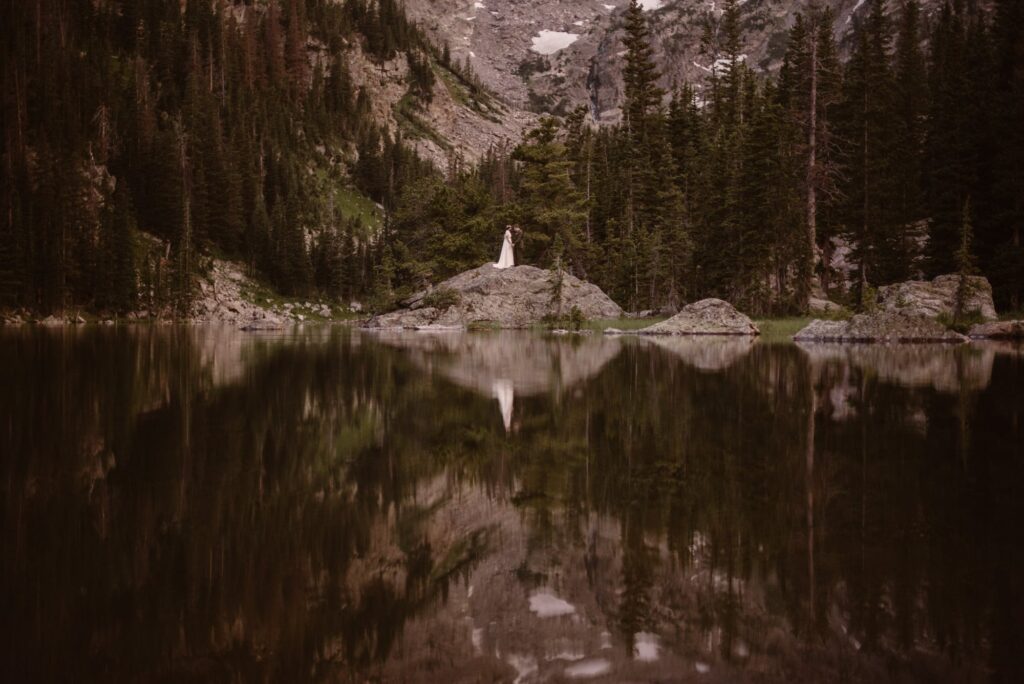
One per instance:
(211, 505)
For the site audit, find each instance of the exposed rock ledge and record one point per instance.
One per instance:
(998, 330)
(884, 326)
(510, 298)
(706, 317)
(938, 297)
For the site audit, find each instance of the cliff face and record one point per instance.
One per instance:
(551, 56)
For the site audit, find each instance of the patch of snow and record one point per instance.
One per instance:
(545, 604)
(579, 23)
(720, 64)
(702, 668)
(650, 5)
(609, 7)
(472, 54)
(550, 42)
(479, 5)
(606, 640)
(646, 647)
(595, 667)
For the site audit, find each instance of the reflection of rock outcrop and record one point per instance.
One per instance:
(529, 363)
(943, 368)
(708, 353)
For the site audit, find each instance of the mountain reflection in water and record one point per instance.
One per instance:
(206, 504)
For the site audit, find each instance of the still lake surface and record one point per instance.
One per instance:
(209, 505)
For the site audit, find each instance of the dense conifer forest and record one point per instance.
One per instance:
(211, 127)
(911, 153)
(140, 137)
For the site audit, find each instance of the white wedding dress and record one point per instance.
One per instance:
(505, 259)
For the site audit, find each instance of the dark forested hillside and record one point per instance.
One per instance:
(141, 135)
(833, 178)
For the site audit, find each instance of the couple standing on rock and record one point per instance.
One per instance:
(513, 234)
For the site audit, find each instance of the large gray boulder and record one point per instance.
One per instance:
(881, 326)
(514, 297)
(706, 317)
(938, 297)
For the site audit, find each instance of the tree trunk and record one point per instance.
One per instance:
(812, 162)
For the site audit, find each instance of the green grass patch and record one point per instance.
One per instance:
(352, 203)
(781, 329)
(602, 324)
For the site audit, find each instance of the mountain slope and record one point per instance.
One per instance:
(505, 41)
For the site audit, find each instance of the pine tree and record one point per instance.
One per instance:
(1005, 264)
(809, 88)
(906, 155)
(551, 206)
(868, 122)
(964, 260)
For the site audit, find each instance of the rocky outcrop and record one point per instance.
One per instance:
(221, 299)
(509, 298)
(227, 295)
(998, 330)
(500, 38)
(821, 305)
(883, 326)
(938, 297)
(706, 317)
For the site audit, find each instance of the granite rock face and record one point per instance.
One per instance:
(938, 297)
(998, 330)
(509, 298)
(882, 326)
(706, 317)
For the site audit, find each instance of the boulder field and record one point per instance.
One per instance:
(515, 297)
(914, 311)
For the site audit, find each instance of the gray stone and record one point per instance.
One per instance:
(998, 330)
(938, 297)
(819, 305)
(882, 326)
(706, 317)
(514, 297)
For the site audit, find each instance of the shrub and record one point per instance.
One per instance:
(963, 322)
(442, 298)
(576, 318)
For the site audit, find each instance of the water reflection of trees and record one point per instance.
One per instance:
(291, 515)
(870, 539)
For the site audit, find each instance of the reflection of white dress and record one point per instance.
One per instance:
(506, 260)
(504, 392)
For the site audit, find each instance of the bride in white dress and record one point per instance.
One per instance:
(505, 259)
